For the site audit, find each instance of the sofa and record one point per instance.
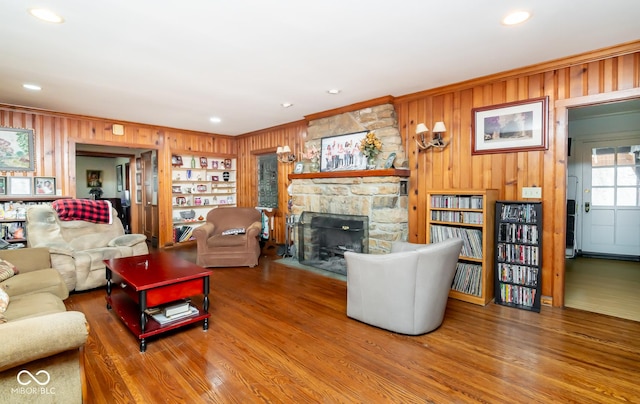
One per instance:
(229, 238)
(79, 247)
(41, 349)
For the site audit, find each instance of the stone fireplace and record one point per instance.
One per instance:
(380, 195)
(324, 237)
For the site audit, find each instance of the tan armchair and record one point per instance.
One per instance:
(78, 247)
(405, 291)
(215, 249)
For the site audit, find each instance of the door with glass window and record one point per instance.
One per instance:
(611, 198)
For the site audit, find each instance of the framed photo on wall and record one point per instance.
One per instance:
(18, 147)
(44, 185)
(94, 178)
(512, 127)
(3, 185)
(119, 177)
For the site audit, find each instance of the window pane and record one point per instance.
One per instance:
(627, 196)
(628, 175)
(603, 157)
(602, 196)
(602, 176)
(625, 156)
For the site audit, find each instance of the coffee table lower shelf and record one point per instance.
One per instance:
(129, 313)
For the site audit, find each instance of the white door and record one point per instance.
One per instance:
(611, 197)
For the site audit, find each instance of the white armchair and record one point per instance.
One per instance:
(405, 291)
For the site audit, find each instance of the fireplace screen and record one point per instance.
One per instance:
(324, 237)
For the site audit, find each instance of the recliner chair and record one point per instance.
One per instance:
(405, 291)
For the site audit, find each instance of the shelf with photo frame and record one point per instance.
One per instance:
(13, 216)
(199, 183)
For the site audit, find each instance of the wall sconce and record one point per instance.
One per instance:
(285, 155)
(437, 142)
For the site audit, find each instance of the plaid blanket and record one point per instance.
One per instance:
(83, 209)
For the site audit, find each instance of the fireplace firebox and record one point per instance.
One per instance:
(324, 237)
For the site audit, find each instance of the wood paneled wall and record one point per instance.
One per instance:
(586, 76)
(599, 76)
(266, 141)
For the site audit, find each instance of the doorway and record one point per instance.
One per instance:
(603, 209)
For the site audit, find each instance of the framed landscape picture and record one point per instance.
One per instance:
(16, 149)
(512, 127)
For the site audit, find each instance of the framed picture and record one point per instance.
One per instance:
(176, 161)
(94, 178)
(299, 168)
(214, 178)
(390, 159)
(203, 162)
(227, 163)
(44, 185)
(20, 186)
(342, 153)
(176, 189)
(3, 185)
(214, 164)
(512, 127)
(119, 178)
(139, 179)
(17, 149)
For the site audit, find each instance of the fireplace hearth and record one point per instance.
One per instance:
(324, 238)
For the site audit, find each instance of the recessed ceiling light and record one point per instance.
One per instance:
(33, 87)
(516, 17)
(333, 91)
(215, 119)
(46, 15)
(286, 105)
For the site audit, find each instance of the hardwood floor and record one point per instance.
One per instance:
(603, 286)
(280, 334)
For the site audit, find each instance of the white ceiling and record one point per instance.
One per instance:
(178, 63)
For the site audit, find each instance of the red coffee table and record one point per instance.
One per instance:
(152, 280)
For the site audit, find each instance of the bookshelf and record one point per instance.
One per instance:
(199, 183)
(13, 216)
(470, 215)
(518, 254)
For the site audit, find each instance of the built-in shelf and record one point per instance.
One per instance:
(386, 172)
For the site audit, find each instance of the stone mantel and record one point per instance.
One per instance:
(387, 172)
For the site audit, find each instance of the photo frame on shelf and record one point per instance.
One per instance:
(3, 185)
(204, 163)
(119, 178)
(390, 159)
(20, 144)
(176, 161)
(511, 127)
(44, 185)
(342, 152)
(299, 168)
(20, 186)
(227, 163)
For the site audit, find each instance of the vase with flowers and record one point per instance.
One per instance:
(313, 155)
(370, 146)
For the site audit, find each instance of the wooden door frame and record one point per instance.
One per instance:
(562, 132)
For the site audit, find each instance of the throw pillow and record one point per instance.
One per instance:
(4, 302)
(233, 231)
(7, 270)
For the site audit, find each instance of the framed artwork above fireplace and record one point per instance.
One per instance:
(342, 152)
